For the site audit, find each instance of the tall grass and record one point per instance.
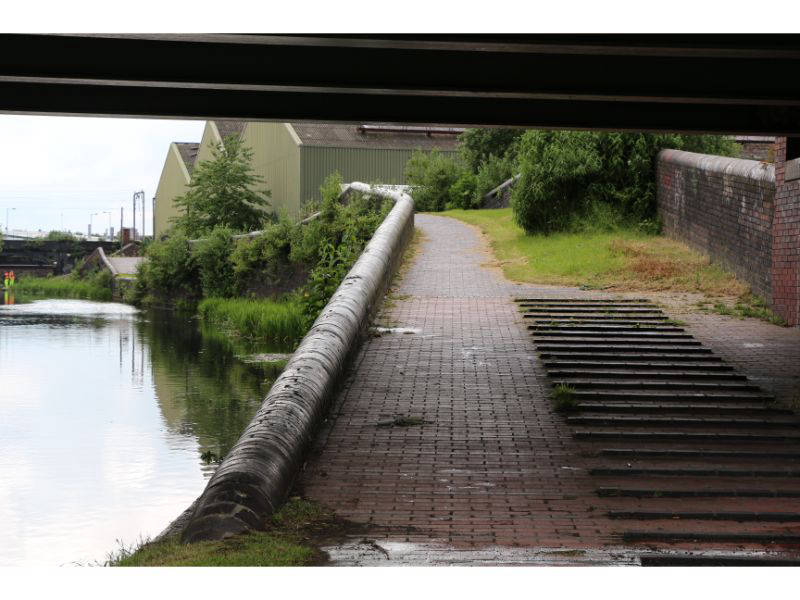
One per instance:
(268, 321)
(64, 287)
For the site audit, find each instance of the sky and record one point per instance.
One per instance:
(56, 171)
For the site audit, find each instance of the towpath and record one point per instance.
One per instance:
(492, 475)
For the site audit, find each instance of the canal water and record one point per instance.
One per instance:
(111, 423)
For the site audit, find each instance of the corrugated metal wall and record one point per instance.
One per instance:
(276, 158)
(171, 185)
(370, 165)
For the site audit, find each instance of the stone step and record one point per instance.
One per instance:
(667, 395)
(672, 453)
(550, 346)
(716, 560)
(696, 493)
(654, 384)
(531, 309)
(634, 334)
(739, 517)
(544, 326)
(678, 422)
(701, 536)
(640, 373)
(693, 472)
(584, 300)
(594, 366)
(694, 355)
(682, 407)
(686, 437)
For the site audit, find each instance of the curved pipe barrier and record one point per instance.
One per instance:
(255, 477)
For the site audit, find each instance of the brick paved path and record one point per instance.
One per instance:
(495, 466)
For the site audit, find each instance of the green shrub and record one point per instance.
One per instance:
(170, 271)
(462, 192)
(432, 176)
(564, 174)
(214, 263)
(477, 145)
(491, 172)
(263, 261)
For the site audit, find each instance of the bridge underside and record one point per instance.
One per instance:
(700, 83)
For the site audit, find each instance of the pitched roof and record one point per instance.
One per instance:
(230, 127)
(377, 135)
(188, 152)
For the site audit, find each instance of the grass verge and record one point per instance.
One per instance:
(65, 286)
(625, 258)
(280, 322)
(747, 305)
(285, 543)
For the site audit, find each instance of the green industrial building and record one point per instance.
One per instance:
(295, 158)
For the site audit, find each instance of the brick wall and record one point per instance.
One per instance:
(722, 207)
(786, 241)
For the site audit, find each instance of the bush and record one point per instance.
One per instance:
(477, 145)
(492, 172)
(214, 263)
(170, 273)
(432, 175)
(564, 174)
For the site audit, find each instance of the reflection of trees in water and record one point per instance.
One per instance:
(202, 388)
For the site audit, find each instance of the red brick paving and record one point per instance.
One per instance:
(495, 465)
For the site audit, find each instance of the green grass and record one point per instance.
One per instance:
(269, 321)
(282, 545)
(625, 258)
(563, 398)
(63, 287)
(747, 305)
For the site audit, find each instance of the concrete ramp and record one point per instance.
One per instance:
(122, 266)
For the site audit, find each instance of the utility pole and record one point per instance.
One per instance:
(121, 215)
(140, 196)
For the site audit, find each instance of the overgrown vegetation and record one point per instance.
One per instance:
(94, 286)
(608, 257)
(280, 322)
(563, 397)
(567, 173)
(222, 193)
(566, 178)
(747, 305)
(283, 544)
(289, 270)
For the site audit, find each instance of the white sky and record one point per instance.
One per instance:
(69, 167)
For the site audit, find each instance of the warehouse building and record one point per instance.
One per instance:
(295, 158)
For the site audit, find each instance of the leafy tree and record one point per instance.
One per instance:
(564, 174)
(477, 145)
(222, 194)
(433, 175)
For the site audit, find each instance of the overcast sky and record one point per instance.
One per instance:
(69, 167)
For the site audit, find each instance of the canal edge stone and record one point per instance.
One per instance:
(255, 477)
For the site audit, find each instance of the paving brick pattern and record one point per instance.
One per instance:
(494, 465)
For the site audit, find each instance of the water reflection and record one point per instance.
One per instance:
(104, 416)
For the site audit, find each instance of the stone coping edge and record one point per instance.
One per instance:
(255, 477)
(724, 165)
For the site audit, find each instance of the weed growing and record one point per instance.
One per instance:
(283, 544)
(95, 287)
(280, 322)
(563, 398)
(746, 306)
